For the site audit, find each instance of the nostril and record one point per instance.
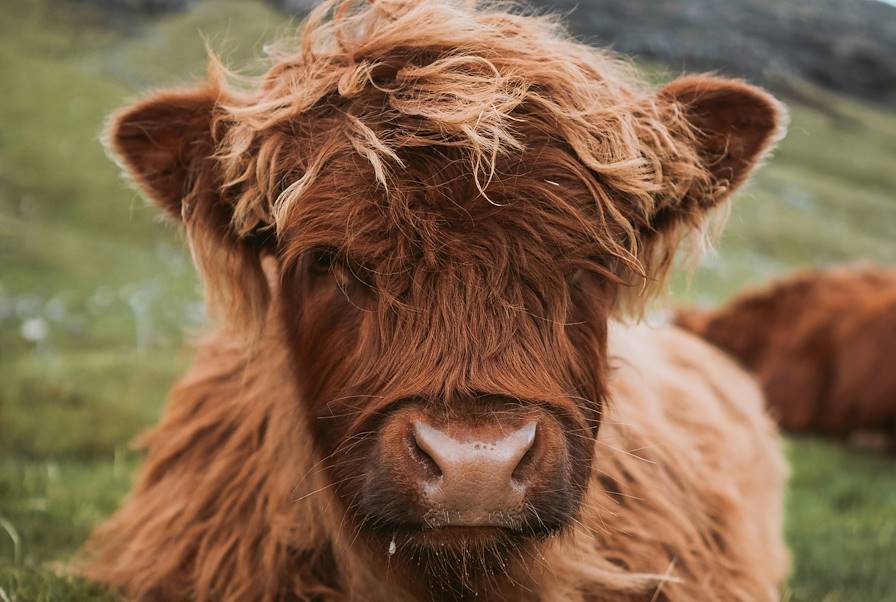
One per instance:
(526, 442)
(422, 456)
(522, 468)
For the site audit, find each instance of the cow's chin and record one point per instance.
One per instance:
(406, 541)
(459, 537)
(444, 541)
(456, 557)
(401, 533)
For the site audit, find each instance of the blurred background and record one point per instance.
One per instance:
(98, 298)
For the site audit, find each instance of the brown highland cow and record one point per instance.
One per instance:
(416, 230)
(822, 344)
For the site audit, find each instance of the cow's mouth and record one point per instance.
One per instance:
(512, 532)
(411, 542)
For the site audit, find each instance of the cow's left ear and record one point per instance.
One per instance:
(162, 142)
(166, 144)
(735, 125)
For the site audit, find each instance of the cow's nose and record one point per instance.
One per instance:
(474, 475)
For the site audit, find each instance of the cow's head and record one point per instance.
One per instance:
(457, 201)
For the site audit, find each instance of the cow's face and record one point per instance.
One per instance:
(451, 358)
(456, 203)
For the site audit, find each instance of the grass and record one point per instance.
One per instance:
(841, 524)
(95, 295)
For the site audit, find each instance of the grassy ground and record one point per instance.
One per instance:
(95, 296)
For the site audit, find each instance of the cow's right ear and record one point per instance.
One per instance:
(162, 142)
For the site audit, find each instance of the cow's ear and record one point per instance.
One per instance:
(166, 144)
(735, 125)
(162, 142)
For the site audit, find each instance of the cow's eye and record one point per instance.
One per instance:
(321, 260)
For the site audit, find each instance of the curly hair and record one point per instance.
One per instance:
(380, 81)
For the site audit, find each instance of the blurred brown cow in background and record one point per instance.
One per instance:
(821, 342)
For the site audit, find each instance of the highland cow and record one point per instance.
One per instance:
(821, 343)
(416, 231)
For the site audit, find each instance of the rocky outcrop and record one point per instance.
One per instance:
(848, 46)
(139, 7)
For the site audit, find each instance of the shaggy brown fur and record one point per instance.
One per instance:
(822, 344)
(435, 206)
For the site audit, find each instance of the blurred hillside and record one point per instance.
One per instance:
(848, 46)
(97, 297)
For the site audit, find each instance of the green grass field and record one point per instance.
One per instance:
(96, 297)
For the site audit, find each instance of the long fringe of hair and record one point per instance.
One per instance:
(383, 78)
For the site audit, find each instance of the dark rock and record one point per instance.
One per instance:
(139, 7)
(848, 46)
(297, 7)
